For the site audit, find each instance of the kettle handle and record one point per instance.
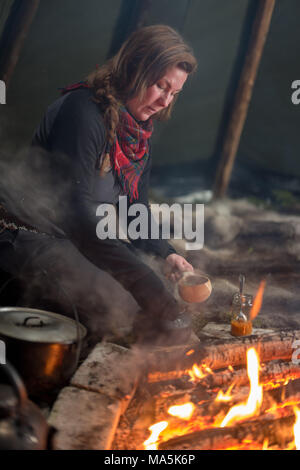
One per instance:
(16, 382)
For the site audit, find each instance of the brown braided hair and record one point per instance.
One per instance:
(141, 61)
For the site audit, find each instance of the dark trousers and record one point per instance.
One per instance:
(54, 274)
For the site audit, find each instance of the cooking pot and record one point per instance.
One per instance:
(43, 346)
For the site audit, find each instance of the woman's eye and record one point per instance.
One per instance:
(163, 88)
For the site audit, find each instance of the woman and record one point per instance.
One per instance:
(96, 137)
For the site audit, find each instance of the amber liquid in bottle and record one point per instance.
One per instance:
(241, 328)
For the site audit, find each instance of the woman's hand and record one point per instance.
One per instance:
(176, 265)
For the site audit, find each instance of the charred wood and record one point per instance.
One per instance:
(277, 371)
(223, 353)
(275, 431)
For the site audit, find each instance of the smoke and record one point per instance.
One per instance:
(35, 187)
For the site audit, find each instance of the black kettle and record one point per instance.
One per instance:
(22, 424)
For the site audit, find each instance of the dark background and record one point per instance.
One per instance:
(69, 37)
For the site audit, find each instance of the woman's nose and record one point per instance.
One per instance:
(165, 99)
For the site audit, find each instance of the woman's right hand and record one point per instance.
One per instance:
(175, 266)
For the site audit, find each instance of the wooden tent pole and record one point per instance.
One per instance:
(16, 28)
(243, 95)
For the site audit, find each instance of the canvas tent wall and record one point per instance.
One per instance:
(68, 38)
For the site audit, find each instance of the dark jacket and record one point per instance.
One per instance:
(73, 127)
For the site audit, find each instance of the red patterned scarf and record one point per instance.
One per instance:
(130, 150)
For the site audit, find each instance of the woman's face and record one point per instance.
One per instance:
(157, 96)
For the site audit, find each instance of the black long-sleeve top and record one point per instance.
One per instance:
(73, 126)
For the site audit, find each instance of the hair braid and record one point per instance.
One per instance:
(105, 96)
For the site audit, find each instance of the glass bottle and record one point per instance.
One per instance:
(241, 324)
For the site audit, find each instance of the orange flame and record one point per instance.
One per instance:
(254, 401)
(151, 443)
(225, 396)
(258, 300)
(182, 411)
(198, 373)
(297, 429)
(265, 444)
(191, 351)
(241, 411)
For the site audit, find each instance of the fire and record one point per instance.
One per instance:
(198, 373)
(254, 401)
(225, 396)
(182, 411)
(156, 429)
(190, 352)
(297, 429)
(265, 444)
(258, 300)
(193, 420)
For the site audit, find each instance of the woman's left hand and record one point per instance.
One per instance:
(178, 265)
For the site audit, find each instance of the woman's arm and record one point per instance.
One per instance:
(175, 264)
(78, 133)
(157, 246)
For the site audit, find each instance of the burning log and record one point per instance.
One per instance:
(275, 369)
(219, 355)
(210, 417)
(275, 431)
(191, 410)
(181, 380)
(273, 347)
(208, 404)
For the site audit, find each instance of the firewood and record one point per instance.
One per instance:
(275, 431)
(207, 407)
(224, 353)
(272, 370)
(274, 347)
(181, 380)
(202, 430)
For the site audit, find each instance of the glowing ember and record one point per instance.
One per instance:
(297, 429)
(182, 411)
(190, 352)
(265, 444)
(198, 373)
(254, 401)
(193, 418)
(225, 396)
(156, 429)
